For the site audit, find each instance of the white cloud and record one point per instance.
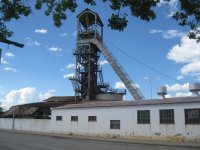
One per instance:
(64, 34)
(181, 90)
(171, 2)
(46, 95)
(55, 49)
(31, 42)
(191, 68)
(169, 34)
(36, 43)
(24, 95)
(4, 61)
(10, 69)
(187, 53)
(161, 3)
(172, 6)
(71, 66)
(183, 94)
(179, 77)
(21, 96)
(178, 87)
(103, 62)
(155, 31)
(168, 96)
(9, 54)
(42, 31)
(66, 76)
(120, 85)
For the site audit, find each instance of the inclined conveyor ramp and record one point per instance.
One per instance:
(132, 88)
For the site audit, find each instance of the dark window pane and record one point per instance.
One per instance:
(74, 118)
(167, 116)
(92, 118)
(114, 124)
(58, 118)
(143, 116)
(192, 116)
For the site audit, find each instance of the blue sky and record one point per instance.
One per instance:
(40, 69)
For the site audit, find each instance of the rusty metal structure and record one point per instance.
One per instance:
(38, 110)
(88, 80)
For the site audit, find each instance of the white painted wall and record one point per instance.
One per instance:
(38, 125)
(6, 123)
(128, 118)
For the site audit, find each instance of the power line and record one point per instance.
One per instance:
(142, 63)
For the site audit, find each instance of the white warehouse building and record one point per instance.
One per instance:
(171, 118)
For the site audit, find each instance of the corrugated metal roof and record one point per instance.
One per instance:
(90, 104)
(60, 99)
(27, 107)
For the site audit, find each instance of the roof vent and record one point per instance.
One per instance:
(162, 91)
(195, 88)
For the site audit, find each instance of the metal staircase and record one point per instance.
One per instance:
(135, 92)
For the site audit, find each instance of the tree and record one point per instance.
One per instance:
(187, 15)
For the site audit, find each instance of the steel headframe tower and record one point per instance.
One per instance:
(88, 80)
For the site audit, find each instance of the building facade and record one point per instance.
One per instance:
(167, 119)
(174, 118)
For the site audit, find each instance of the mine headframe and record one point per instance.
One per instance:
(88, 80)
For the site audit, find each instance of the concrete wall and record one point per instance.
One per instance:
(38, 125)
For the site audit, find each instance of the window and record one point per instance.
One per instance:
(167, 116)
(192, 116)
(58, 118)
(74, 118)
(92, 118)
(114, 124)
(143, 116)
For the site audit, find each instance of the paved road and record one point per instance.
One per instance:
(21, 141)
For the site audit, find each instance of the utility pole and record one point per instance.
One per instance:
(13, 123)
(150, 85)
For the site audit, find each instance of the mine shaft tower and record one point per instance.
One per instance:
(88, 80)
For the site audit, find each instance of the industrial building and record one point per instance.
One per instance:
(98, 109)
(39, 110)
(175, 118)
(167, 119)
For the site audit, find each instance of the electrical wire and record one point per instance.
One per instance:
(142, 63)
